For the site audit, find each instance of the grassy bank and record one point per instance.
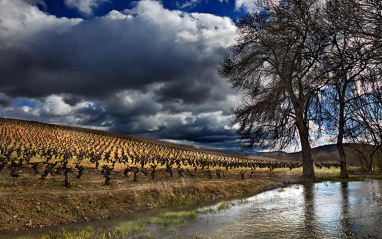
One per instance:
(28, 202)
(169, 222)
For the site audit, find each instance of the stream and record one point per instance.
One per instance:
(320, 210)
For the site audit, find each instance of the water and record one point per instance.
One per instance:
(334, 210)
(322, 210)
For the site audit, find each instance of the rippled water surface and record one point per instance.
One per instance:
(322, 210)
(333, 210)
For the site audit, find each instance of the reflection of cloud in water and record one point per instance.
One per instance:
(309, 211)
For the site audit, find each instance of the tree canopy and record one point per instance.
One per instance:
(298, 63)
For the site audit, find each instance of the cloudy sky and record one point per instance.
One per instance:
(144, 67)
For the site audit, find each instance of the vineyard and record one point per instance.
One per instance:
(67, 152)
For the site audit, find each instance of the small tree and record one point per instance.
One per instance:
(278, 62)
(365, 127)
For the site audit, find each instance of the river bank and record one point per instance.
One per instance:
(27, 203)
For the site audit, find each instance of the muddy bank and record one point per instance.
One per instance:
(27, 203)
(38, 208)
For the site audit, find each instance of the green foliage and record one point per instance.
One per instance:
(225, 205)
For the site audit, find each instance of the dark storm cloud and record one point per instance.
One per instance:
(146, 71)
(74, 63)
(103, 55)
(5, 101)
(72, 100)
(191, 91)
(207, 130)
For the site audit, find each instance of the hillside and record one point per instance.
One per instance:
(71, 149)
(279, 155)
(35, 131)
(328, 154)
(54, 174)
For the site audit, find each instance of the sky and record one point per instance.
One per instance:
(145, 67)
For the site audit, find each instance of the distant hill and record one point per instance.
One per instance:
(324, 153)
(271, 154)
(330, 148)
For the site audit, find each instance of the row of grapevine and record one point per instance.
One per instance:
(56, 149)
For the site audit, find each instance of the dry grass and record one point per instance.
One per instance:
(29, 202)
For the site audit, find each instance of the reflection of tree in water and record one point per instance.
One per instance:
(345, 216)
(310, 229)
(361, 219)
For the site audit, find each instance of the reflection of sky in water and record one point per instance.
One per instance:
(331, 210)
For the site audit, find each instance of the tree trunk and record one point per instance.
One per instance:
(363, 162)
(340, 136)
(369, 164)
(341, 150)
(343, 166)
(306, 150)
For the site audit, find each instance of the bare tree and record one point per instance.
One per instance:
(278, 62)
(349, 59)
(364, 126)
(368, 21)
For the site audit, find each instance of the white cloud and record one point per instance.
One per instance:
(184, 142)
(20, 21)
(85, 6)
(188, 4)
(154, 11)
(55, 105)
(216, 120)
(202, 28)
(26, 109)
(211, 29)
(116, 15)
(247, 5)
(254, 5)
(53, 109)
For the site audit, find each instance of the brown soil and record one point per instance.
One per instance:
(28, 202)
